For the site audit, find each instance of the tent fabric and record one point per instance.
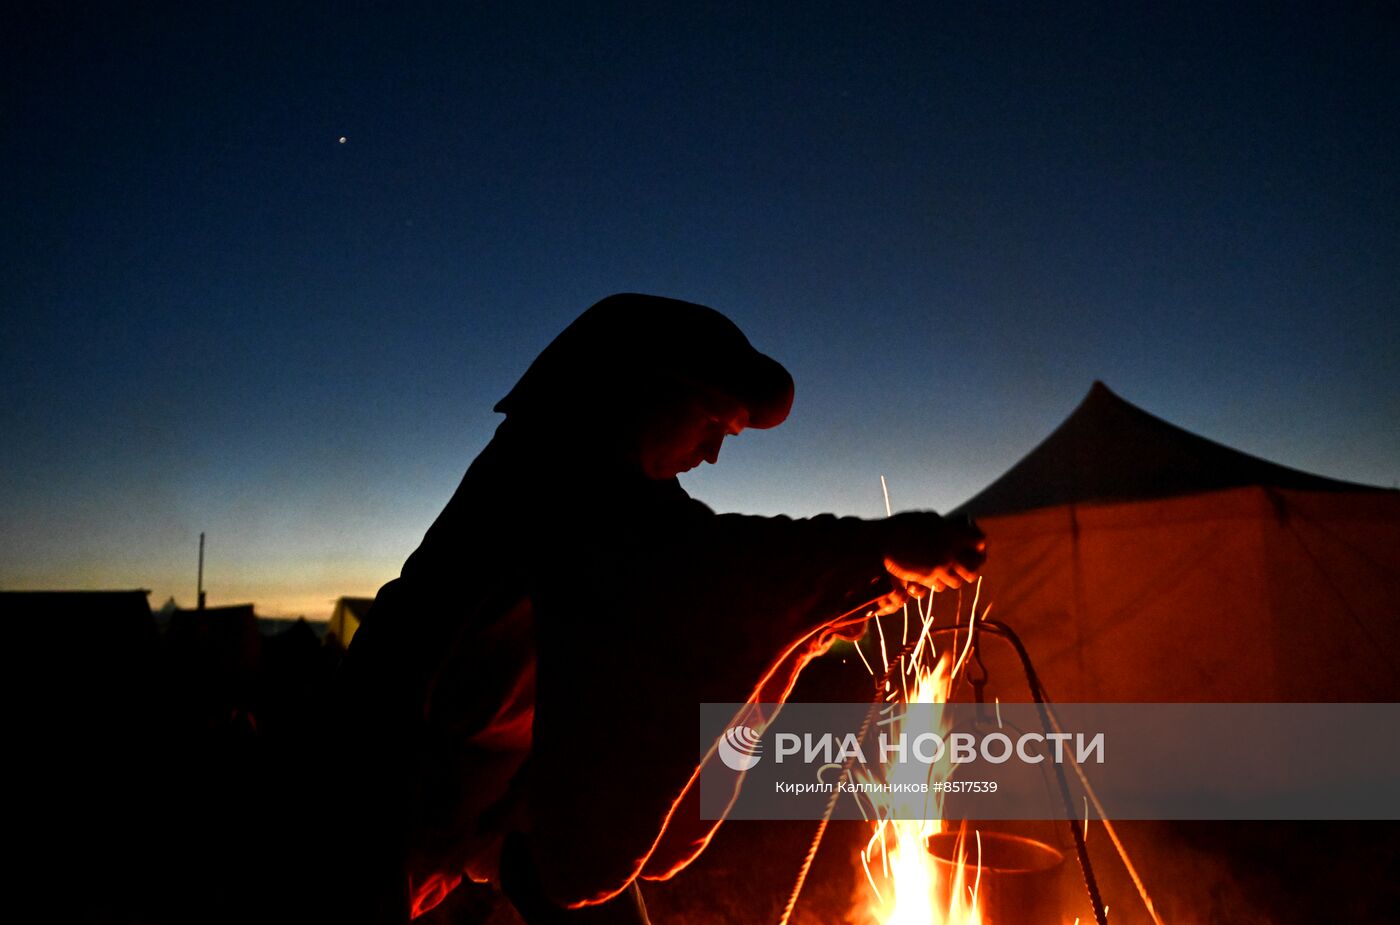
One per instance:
(1249, 594)
(349, 613)
(1285, 589)
(1111, 450)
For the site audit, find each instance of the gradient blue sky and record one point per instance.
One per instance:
(946, 219)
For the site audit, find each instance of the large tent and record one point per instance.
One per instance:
(1140, 562)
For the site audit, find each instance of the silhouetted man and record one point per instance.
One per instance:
(572, 600)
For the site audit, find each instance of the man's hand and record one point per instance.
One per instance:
(927, 551)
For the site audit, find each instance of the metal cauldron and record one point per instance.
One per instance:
(1021, 881)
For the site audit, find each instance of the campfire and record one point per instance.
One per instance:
(918, 868)
(907, 883)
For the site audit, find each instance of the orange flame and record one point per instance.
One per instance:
(906, 884)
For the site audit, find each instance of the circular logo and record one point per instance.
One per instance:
(740, 748)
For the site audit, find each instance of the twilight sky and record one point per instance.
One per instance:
(946, 219)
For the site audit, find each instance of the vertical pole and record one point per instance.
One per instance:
(200, 589)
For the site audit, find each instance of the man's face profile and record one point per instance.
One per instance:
(683, 437)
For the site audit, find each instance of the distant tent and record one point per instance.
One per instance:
(349, 613)
(277, 627)
(121, 618)
(83, 644)
(224, 639)
(1141, 562)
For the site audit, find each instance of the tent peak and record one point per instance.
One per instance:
(1109, 449)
